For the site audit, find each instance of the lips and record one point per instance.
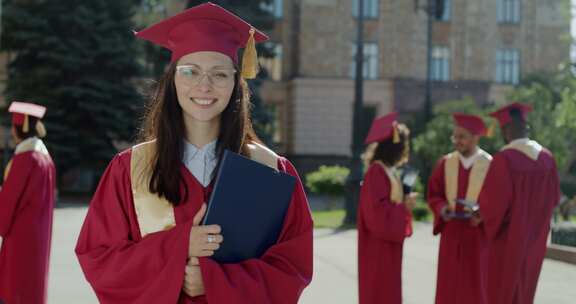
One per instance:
(203, 101)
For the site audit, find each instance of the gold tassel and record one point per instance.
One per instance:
(250, 58)
(40, 129)
(26, 126)
(7, 170)
(491, 130)
(396, 135)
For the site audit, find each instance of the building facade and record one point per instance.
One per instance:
(480, 49)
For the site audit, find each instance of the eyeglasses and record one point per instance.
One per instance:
(193, 75)
(458, 137)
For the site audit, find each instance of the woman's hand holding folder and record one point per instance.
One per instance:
(204, 240)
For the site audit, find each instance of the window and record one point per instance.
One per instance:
(371, 8)
(508, 66)
(508, 11)
(276, 111)
(275, 7)
(370, 68)
(440, 64)
(446, 7)
(273, 66)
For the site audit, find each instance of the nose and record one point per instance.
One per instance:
(205, 85)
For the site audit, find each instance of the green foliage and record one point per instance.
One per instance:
(328, 219)
(421, 212)
(328, 180)
(564, 234)
(79, 59)
(553, 121)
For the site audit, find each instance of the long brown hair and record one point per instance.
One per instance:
(164, 122)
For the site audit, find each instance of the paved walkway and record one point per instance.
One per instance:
(334, 263)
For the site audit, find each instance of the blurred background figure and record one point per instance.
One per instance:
(26, 208)
(516, 203)
(384, 213)
(453, 191)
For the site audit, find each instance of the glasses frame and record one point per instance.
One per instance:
(204, 74)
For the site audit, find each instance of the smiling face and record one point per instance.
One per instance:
(464, 141)
(204, 84)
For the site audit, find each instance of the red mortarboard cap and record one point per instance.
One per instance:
(474, 124)
(20, 110)
(503, 114)
(382, 128)
(205, 27)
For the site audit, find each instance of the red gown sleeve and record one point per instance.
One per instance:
(436, 195)
(280, 275)
(382, 217)
(121, 266)
(13, 189)
(495, 196)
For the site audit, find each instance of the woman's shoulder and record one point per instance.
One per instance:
(376, 170)
(124, 158)
(262, 154)
(375, 167)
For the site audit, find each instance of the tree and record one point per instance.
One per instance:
(553, 121)
(255, 13)
(78, 58)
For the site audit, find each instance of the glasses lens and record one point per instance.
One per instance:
(193, 76)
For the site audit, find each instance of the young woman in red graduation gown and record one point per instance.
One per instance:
(141, 241)
(384, 214)
(26, 208)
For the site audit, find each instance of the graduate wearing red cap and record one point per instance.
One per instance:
(142, 241)
(516, 203)
(459, 175)
(26, 208)
(384, 214)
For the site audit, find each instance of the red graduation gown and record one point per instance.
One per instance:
(123, 267)
(516, 205)
(462, 251)
(382, 227)
(26, 208)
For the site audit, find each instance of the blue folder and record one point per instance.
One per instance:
(249, 202)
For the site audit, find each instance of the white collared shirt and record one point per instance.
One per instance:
(200, 162)
(468, 162)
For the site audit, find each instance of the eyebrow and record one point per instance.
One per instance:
(211, 68)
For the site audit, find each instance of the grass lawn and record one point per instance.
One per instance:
(328, 219)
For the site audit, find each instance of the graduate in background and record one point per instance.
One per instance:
(384, 213)
(26, 208)
(141, 241)
(516, 203)
(459, 176)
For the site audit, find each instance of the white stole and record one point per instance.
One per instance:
(475, 181)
